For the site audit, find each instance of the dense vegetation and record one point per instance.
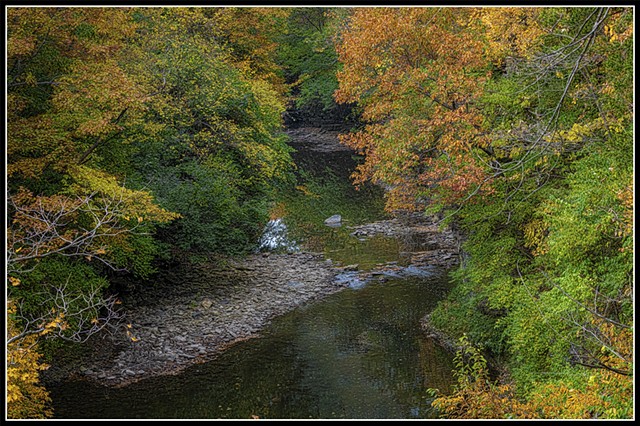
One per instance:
(137, 132)
(516, 124)
(132, 133)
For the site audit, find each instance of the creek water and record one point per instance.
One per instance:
(357, 354)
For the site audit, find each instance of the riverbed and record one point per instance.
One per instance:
(327, 326)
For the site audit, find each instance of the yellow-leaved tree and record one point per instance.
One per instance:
(26, 397)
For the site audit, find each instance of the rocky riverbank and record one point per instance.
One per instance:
(192, 314)
(422, 239)
(194, 311)
(316, 139)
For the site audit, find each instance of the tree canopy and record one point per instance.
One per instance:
(516, 125)
(137, 133)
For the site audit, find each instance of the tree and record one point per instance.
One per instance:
(26, 398)
(516, 124)
(418, 92)
(475, 395)
(211, 147)
(307, 55)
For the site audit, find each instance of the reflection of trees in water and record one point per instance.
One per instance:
(437, 365)
(338, 377)
(367, 350)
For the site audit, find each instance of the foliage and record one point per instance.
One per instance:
(515, 124)
(418, 95)
(251, 35)
(476, 396)
(217, 215)
(599, 394)
(26, 397)
(307, 55)
(215, 149)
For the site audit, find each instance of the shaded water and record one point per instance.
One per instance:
(356, 354)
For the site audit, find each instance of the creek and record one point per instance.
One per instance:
(358, 353)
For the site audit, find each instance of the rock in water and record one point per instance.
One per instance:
(335, 220)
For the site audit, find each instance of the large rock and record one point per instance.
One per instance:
(335, 220)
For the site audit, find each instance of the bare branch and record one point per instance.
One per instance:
(38, 230)
(75, 317)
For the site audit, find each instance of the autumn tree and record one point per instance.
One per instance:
(476, 395)
(559, 266)
(26, 397)
(211, 146)
(121, 120)
(516, 123)
(250, 34)
(70, 219)
(417, 74)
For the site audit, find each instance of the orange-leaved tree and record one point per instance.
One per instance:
(416, 73)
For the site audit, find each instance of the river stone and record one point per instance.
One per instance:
(335, 220)
(295, 284)
(206, 303)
